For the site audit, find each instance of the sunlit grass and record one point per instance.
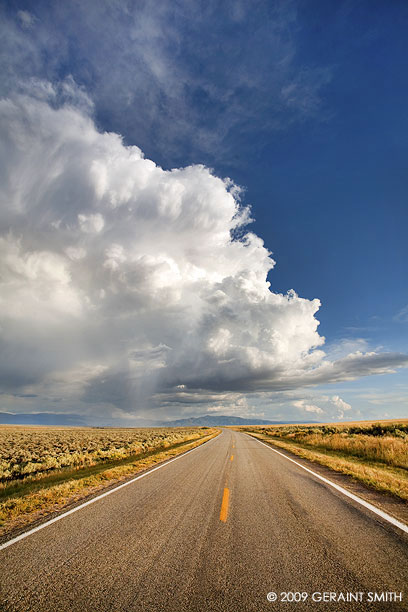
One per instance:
(27, 498)
(37, 451)
(374, 453)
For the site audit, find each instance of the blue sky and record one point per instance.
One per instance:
(303, 105)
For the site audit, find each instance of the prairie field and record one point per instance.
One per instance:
(384, 443)
(43, 469)
(373, 452)
(37, 451)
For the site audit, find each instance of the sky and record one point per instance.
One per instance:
(204, 209)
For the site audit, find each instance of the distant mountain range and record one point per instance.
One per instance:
(69, 420)
(77, 420)
(42, 418)
(210, 420)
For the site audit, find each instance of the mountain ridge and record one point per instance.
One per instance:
(75, 420)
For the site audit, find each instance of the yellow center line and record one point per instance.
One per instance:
(233, 445)
(232, 457)
(224, 506)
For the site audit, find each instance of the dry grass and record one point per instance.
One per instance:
(36, 451)
(342, 424)
(374, 453)
(26, 499)
(388, 450)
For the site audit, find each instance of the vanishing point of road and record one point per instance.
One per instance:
(217, 529)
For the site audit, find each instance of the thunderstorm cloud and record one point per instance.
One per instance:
(125, 287)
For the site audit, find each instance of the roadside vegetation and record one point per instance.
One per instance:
(43, 469)
(374, 453)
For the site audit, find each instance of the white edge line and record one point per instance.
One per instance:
(362, 502)
(95, 499)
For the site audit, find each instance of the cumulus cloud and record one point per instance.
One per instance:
(303, 405)
(341, 404)
(127, 286)
(332, 407)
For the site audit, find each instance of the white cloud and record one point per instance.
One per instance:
(124, 279)
(303, 405)
(35, 284)
(341, 404)
(91, 224)
(75, 253)
(333, 406)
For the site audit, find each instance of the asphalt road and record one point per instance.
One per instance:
(210, 532)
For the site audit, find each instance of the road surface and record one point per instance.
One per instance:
(217, 529)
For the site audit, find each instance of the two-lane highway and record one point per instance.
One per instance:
(216, 529)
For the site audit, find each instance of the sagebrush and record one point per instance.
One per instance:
(387, 444)
(36, 451)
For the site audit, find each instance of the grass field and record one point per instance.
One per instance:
(43, 469)
(36, 451)
(375, 453)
